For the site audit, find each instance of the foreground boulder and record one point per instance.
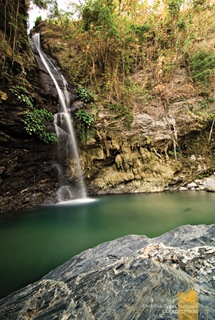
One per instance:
(133, 277)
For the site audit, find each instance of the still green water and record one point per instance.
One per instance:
(36, 241)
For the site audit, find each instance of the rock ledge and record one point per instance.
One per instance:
(130, 278)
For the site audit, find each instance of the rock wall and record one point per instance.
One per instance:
(133, 277)
(27, 174)
(156, 153)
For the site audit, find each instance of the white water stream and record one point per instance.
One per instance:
(65, 132)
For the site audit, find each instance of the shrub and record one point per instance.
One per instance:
(85, 117)
(37, 21)
(35, 123)
(202, 66)
(84, 94)
(84, 126)
(140, 30)
(35, 120)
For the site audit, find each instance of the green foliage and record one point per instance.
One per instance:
(35, 120)
(23, 95)
(140, 30)
(50, 5)
(210, 100)
(85, 125)
(202, 66)
(35, 123)
(42, 4)
(173, 152)
(205, 104)
(85, 117)
(123, 111)
(174, 6)
(205, 116)
(84, 94)
(198, 3)
(181, 24)
(98, 14)
(115, 39)
(37, 21)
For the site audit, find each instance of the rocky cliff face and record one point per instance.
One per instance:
(167, 142)
(133, 277)
(27, 174)
(160, 149)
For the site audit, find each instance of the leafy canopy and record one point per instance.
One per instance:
(50, 5)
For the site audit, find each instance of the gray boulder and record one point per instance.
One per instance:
(130, 278)
(210, 184)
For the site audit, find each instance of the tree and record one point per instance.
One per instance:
(98, 13)
(50, 5)
(15, 24)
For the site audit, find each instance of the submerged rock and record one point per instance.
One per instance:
(133, 277)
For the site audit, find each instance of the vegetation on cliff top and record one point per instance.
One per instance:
(139, 57)
(126, 52)
(112, 40)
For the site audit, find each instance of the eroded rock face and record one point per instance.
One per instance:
(145, 158)
(133, 170)
(133, 277)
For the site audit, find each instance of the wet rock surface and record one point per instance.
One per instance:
(27, 174)
(133, 277)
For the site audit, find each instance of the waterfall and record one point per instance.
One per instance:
(67, 144)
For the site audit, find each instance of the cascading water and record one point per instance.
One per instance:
(67, 144)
